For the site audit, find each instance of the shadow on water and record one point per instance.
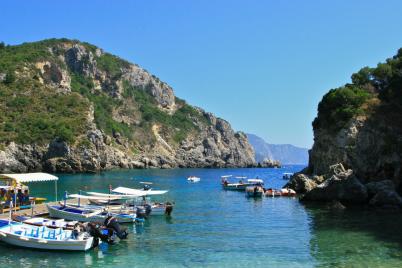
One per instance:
(355, 237)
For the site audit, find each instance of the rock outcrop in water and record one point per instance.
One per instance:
(360, 126)
(68, 106)
(269, 163)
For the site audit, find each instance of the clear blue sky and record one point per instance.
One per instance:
(262, 65)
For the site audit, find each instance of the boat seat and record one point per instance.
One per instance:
(51, 234)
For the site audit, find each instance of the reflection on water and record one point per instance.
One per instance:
(356, 237)
(210, 227)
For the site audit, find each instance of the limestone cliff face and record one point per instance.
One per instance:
(130, 118)
(368, 145)
(359, 126)
(81, 60)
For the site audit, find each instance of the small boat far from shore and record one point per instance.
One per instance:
(193, 179)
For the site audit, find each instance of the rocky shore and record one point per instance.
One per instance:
(342, 187)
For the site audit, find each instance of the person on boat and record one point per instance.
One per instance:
(12, 196)
(2, 198)
(20, 197)
(224, 181)
(26, 197)
(3, 193)
(7, 199)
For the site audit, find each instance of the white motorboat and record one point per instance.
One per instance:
(29, 236)
(241, 185)
(193, 179)
(87, 215)
(156, 208)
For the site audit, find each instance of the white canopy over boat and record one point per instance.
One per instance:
(29, 177)
(130, 191)
(255, 181)
(92, 197)
(20, 178)
(119, 196)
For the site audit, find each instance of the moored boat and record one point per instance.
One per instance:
(288, 192)
(156, 208)
(87, 215)
(241, 185)
(254, 191)
(272, 193)
(193, 179)
(29, 236)
(107, 231)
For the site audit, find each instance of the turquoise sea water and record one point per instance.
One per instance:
(211, 227)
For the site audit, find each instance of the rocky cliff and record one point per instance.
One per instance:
(360, 126)
(68, 106)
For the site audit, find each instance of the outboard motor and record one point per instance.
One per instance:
(112, 223)
(148, 209)
(146, 187)
(84, 228)
(104, 234)
(169, 208)
(141, 213)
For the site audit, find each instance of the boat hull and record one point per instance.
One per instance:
(234, 187)
(156, 210)
(54, 212)
(257, 194)
(273, 193)
(254, 191)
(10, 235)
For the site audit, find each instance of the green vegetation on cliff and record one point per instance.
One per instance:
(371, 88)
(33, 110)
(339, 105)
(31, 113)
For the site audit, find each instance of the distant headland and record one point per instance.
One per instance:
(68, 106)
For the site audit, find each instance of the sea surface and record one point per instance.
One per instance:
(211, 227)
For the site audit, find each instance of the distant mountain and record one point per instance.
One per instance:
(285, 153)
